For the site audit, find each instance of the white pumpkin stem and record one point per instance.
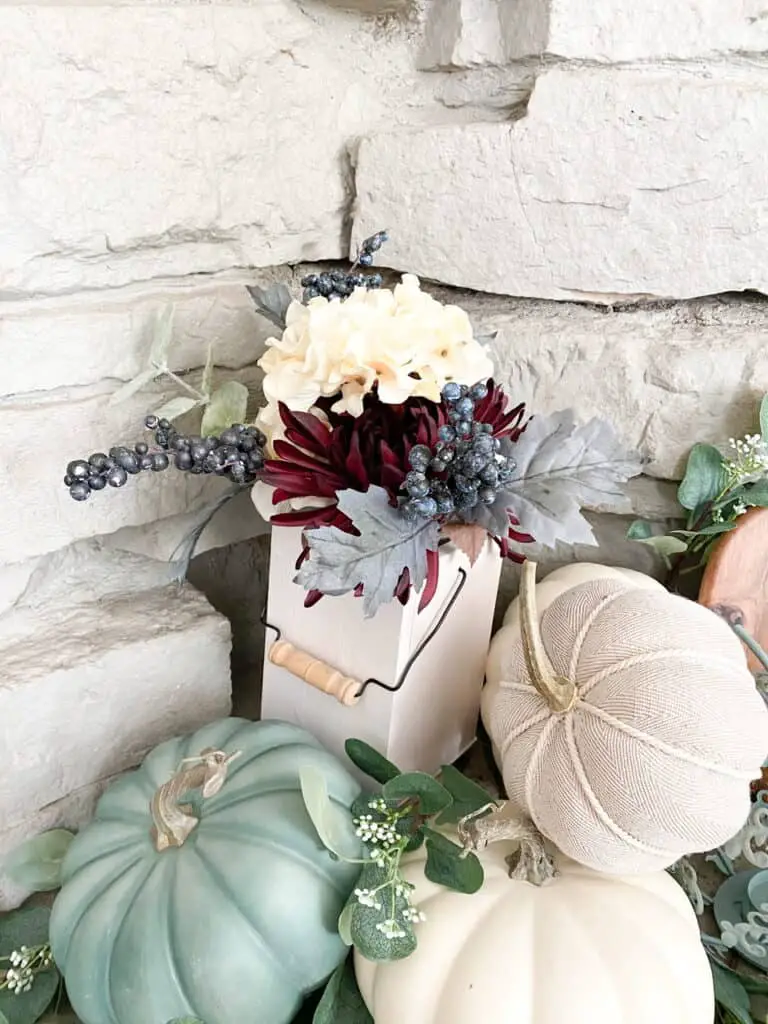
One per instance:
(173, 822)
(532, 864)
(558, 692)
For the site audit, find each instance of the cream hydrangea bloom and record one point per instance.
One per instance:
(402, 338)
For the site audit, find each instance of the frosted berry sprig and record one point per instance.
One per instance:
(336, 284)
(237, 454)
(466, 468)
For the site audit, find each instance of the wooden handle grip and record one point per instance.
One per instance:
(315, 672)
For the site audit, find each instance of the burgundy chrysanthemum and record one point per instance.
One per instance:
(356, 452)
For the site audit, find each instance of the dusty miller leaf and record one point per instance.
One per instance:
(272, 302)
(176, 407)
(36, 864)
(341, 1002)
(470, 538)
(562, 467)
(332, 824)
(764, 417)
(388, 543)
(228, 405)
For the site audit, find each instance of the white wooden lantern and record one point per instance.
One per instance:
(330, 652)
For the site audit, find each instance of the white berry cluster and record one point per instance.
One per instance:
(750, 459)
(25, 962)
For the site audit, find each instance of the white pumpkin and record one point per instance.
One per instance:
(584, 949)
(653, 759)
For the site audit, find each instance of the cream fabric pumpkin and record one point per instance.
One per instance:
(584, 949)
(655, 757)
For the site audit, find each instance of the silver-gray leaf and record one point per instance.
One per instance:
(563, 467)
(272, 302)
(388, 543)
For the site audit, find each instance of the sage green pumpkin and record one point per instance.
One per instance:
(237, 924)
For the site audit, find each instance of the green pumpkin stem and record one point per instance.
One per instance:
(173, 821)
(558, 692)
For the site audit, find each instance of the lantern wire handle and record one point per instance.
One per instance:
(558, 692)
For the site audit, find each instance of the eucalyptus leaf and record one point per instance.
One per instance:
(140, 381)
(370, 761)
(36, 864)
(704, 477)
(332, 822)
(666, 545)
(272, 302)
(228, 405)
(731, 994)
(345, 923)
(715, 529)
(448, 866)
(3, 1018)
(563, 467)
(468, 797)
(369, 939)
(639, 530)
(431, 796)
(388, 543)
(341, 1002)
(185, 1020)
(764, 417)
(162, 335)
(754, 494)
(27, 927)
(176, 407)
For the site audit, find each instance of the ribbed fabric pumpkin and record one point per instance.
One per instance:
(221, 906)
(626, 723)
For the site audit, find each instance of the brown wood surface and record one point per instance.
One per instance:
(735, 581)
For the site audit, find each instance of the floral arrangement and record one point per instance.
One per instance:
(383, 435)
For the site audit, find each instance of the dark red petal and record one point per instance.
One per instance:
(403, 588)
(359, 590)
(313, 596)
(355, 464)
(433, 578)
(306, 430)
(302, 557)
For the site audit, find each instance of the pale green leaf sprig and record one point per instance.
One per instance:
(714, 493)
(221, 406)
(379, 918)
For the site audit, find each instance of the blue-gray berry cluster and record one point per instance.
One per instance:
(464, 469)
(238, 454)
(336, 284)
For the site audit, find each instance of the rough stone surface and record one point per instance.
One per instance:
(468, 33)
(85, 339)
(614, 184)
(98, 669)
(205, 136)
(71, 812)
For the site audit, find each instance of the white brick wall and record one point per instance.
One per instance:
(602, 151)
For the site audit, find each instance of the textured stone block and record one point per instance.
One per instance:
(99, 665)
(616, 183)
(468, 33)
(204, 136)
(86, 339)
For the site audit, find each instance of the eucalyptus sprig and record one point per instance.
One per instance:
(408, 812)
(716, 490)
